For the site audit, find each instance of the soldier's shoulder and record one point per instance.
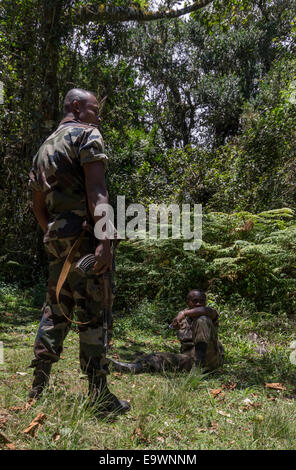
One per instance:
(84, 131)
(73, 135)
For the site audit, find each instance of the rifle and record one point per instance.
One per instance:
(84, 265)
(107, 287)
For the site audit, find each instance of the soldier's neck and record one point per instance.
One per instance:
(71, 118)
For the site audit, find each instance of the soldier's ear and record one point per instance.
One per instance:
(76, 106)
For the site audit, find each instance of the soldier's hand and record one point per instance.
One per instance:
(177, 320)
(103, 257)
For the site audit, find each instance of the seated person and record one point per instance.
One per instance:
(197, 328)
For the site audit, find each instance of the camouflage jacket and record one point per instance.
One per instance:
(58, 172)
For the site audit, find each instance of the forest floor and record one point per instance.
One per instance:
(248, 404)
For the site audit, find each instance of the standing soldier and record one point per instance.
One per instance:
(68, 182)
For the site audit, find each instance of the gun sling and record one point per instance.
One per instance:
(63, 276)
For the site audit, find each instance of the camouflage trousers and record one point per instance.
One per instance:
(190, 333)
(82, 292)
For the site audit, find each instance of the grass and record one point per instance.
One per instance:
(228, 409)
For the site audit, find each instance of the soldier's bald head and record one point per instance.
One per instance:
(76, 94)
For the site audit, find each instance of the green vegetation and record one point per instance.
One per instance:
(198, 110)
(243, 257)
(231, 408)
(169, 411)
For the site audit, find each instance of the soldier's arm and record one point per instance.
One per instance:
(40, 209)
(201, 311)
(97, 193)
(95, 184)
(196, 313)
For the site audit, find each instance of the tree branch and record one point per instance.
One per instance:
(112, 14)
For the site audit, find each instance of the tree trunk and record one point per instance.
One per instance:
(49, 58)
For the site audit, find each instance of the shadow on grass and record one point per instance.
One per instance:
(253, 372)
(256, 371)
(132, 352)
(19, 306)
(133, 349)
(16, 344)
(19, 318)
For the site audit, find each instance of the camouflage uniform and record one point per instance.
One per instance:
(191, 332)
(204, 330)
(58, 172)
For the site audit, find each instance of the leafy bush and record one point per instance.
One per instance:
(243, 256)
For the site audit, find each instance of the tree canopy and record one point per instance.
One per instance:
(198, 101)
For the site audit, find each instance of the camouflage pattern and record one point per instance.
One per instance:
(191, 332)
(82, 292)
(58, 172)
(202, 329)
